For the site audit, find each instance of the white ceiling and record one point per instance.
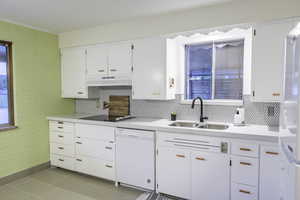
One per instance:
(59, 16)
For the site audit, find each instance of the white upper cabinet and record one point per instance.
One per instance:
(120, 61)
(97, 63)
(73, 69)
(268, 61)
(109, 64)
(153, 73)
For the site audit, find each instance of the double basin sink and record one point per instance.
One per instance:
(211, 126)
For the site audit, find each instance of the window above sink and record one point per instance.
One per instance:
(215, 66)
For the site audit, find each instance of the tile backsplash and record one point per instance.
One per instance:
(255, 113)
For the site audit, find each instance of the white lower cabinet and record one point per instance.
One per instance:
(62, 161)
(173, 173)
(243, 192)
(210, 176)
(95, 167)
(269, 172)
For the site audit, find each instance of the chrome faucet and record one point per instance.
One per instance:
(201, 108)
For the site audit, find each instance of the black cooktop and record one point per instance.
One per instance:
(109, 118)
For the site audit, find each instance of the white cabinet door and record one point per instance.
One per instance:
(210, 176)
(269, 173)
(97, 62)
(120, 61)
(173, 172)
(268, 61)
(73, 64)
(151, 75)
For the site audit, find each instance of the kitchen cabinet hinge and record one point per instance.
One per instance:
(254, 32)
(230, 163)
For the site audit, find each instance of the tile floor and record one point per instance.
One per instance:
(59, 184)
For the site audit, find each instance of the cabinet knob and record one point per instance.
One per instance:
(245, 163)
(276, 94)
(245, 191)
(245, 149)
(200, 158)
(272, 153)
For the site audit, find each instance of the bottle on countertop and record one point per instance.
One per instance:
(239, 117)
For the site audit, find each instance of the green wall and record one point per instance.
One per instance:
(36, 95)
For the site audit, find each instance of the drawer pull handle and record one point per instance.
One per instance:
(276, 94)
(272, 153)
(79, 160)
(61, 148)
(60, 127)
(101, 70)
(113, 70)
(78, 143)
(61, 136)
(109, 166)
(199, 158)
(245, 192)
(60, 122)
(79, 92)
(245, 163)
(108, 148)
(245, 149)
(180, 156)
(62, 160)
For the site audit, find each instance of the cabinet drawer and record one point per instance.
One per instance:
(61, 138)
(243, 192)
(95, 167)
(62, 149)
(95, 148)
(105, 133)
(198, 143)
(244, 149)
(244, 170)
(61, 126)
(62, 161)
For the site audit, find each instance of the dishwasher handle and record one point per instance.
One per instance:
(132, 133)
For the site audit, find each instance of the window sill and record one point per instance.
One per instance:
(216, 102)
(7, 128)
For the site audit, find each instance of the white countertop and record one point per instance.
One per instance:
(251, 132)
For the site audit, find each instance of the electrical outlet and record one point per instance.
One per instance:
(271, 111)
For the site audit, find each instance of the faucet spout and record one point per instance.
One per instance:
(202, 118)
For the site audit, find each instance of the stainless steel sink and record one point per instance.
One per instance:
(214, 126)
(185, 124)
(197, 125)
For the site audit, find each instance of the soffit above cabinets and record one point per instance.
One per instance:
(59, 16)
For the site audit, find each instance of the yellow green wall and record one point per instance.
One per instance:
(37, 95)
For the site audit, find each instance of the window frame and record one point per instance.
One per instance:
(215, 39)
(11, 117)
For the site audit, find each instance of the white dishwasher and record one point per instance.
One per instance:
(135, 158)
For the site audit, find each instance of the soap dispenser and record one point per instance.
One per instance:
(239, 117)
